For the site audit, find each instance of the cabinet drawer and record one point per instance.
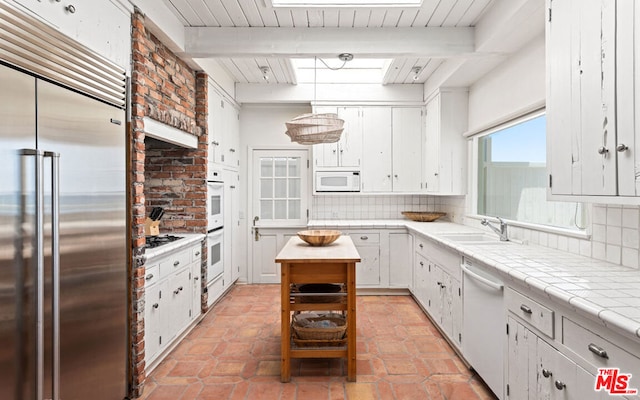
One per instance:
(598, 351)
(441, 255)
(534, 313)
(175, 261)
(362, 238)
(151, 275)
(196, 253)
(421, 245)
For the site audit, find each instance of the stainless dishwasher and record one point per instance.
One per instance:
(483, 323)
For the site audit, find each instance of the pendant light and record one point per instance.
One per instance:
(311, 129)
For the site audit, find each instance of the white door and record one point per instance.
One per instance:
(280, 190)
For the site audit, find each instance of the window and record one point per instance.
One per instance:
(512, 176)
(280, 187)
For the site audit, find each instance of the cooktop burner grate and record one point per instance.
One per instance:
(156, 241)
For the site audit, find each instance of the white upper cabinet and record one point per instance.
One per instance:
(407, 149)
(384, 143)
(224, 131)
(445, 156)
(392, 143)
(347, 152)
(592, 111)
(101, 25)
(377, 164)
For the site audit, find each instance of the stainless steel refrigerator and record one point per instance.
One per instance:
(63, 243)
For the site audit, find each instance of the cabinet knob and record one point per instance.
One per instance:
(364, 237)
(155, 305)
(388, 176)
(215, 143)
(178, 290)
(232, 150)
(597, 350)
(395, 176)
(421, 245)
(546, 373)
(149, 277)
(175, 264)
(421, 264)
(70, 9)
(197, 253)
(196, 279)
(602, 150)
(560, 385)
(621, 148)
(526, 309)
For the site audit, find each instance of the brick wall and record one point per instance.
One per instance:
(164, 88)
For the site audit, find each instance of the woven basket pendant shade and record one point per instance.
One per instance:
(315, 128)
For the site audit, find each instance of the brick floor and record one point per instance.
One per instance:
(234, 353)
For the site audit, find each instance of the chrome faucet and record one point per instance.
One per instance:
(502, 232)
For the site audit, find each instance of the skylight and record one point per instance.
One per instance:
(358, 70)
(346, 3)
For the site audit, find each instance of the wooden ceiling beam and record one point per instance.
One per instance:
(329, 42)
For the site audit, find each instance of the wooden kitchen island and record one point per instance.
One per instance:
(302, 263)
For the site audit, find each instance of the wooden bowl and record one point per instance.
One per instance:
(423, 216)
(319, 237)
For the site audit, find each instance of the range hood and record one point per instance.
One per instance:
(169, 134)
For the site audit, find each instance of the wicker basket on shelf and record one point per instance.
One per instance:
(324, 333)
(315, 128)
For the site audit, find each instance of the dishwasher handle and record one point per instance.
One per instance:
(482, 279)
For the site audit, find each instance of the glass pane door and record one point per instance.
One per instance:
(280, 195)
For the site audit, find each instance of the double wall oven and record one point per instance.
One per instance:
(215, 210)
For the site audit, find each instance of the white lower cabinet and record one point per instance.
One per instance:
(400, 260)
(153, 309)
(549, 361)
(437, 289)
(368, 269)
(172, 298)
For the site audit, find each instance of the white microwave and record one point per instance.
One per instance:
(337, 181)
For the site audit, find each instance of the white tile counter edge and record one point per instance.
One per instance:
(187, 239)
(563, 277)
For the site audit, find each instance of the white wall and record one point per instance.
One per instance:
(261, 125)
(516, 86)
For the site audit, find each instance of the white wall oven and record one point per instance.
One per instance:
(215, 201)
(214, 257)
(215, 219)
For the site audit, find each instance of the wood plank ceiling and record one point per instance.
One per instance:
(261, 13)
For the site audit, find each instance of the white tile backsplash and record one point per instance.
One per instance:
(384, 206)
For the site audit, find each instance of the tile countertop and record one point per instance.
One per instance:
(187, 239)
(594, 288)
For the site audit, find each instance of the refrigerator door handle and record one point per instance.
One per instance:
(55, 268)
(38, 275)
